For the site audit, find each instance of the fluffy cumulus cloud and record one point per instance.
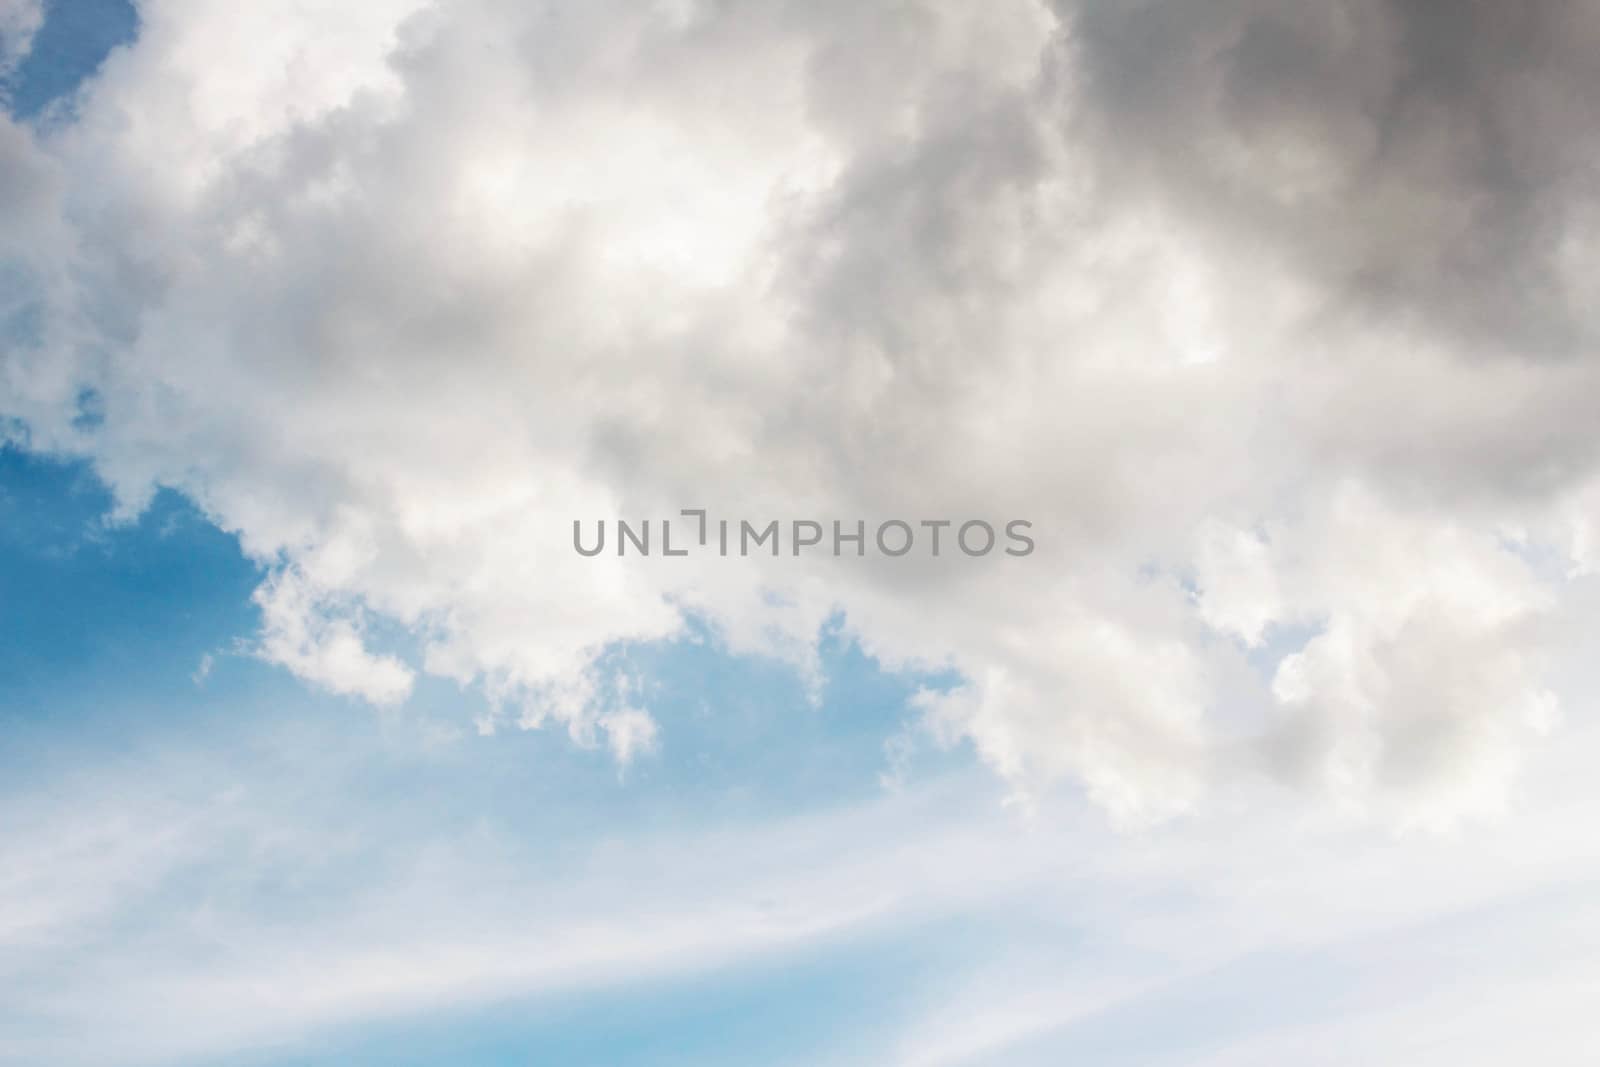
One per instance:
(1274, 320)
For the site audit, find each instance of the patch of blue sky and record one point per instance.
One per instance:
(306, 803)
(73, 41)
(97, 620)
(120, 634)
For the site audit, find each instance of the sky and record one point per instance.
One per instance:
(321, 325)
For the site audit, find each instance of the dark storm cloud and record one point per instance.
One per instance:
(1431, 161)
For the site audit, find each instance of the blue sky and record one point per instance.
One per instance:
(108, 625)
(753, 894)
(318, 746)
(69, 44)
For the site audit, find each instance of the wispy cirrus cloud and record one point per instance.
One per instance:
(199, 902)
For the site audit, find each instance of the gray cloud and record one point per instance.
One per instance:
(1427, 161)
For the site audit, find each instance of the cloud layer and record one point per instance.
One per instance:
(1274, 323)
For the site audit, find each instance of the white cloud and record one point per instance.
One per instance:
(630, 732)
(397, 293)
(318, 645)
